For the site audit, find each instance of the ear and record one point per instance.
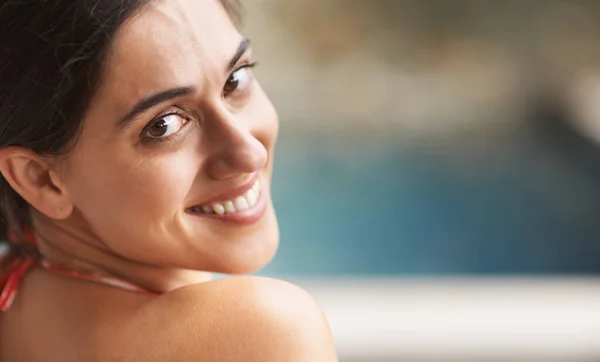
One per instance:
(36, 180)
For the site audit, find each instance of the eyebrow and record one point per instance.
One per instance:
(241, 50)
(169, 94)
(152, 101)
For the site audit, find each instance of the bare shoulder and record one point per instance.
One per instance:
(233, 319)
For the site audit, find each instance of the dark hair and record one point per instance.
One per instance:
(51, 61)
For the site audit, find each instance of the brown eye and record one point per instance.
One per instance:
(165, 126)
(158, 129)
(239, 80)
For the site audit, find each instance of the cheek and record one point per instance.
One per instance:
(155, 188)
(264, 120)
(273, 118)
(152, 190)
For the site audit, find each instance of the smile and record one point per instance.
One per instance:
(240, 203)
(248, 206)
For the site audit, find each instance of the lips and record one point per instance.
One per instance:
(244, 206)
(240, 203)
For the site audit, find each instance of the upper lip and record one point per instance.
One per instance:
(230, 194)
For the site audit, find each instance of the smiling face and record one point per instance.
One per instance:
(174, 160)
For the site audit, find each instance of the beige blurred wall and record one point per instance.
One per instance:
(419, 66)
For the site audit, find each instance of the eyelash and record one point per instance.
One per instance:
(180, 113)
(246, 65)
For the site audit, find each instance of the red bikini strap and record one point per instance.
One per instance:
(25, 255)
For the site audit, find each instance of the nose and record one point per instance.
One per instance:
(233, 150)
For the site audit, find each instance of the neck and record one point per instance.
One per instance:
(72, 245)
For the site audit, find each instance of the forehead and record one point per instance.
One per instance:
(168, 43)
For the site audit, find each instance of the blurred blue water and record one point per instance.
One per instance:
(349, 204)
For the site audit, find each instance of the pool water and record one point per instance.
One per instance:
(349, 204)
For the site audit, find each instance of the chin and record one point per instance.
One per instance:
(248, 254)
(246, 263)
(246, 267)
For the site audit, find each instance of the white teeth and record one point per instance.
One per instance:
(251, 196)
(219, 209)
(241, 203)
(229, 208)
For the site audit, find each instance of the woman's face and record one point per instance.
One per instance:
(175, 157)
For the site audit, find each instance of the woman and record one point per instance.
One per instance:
(136, 154)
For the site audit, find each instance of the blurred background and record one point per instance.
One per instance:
(437, 176)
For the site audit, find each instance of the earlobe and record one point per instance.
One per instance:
(31, 176)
